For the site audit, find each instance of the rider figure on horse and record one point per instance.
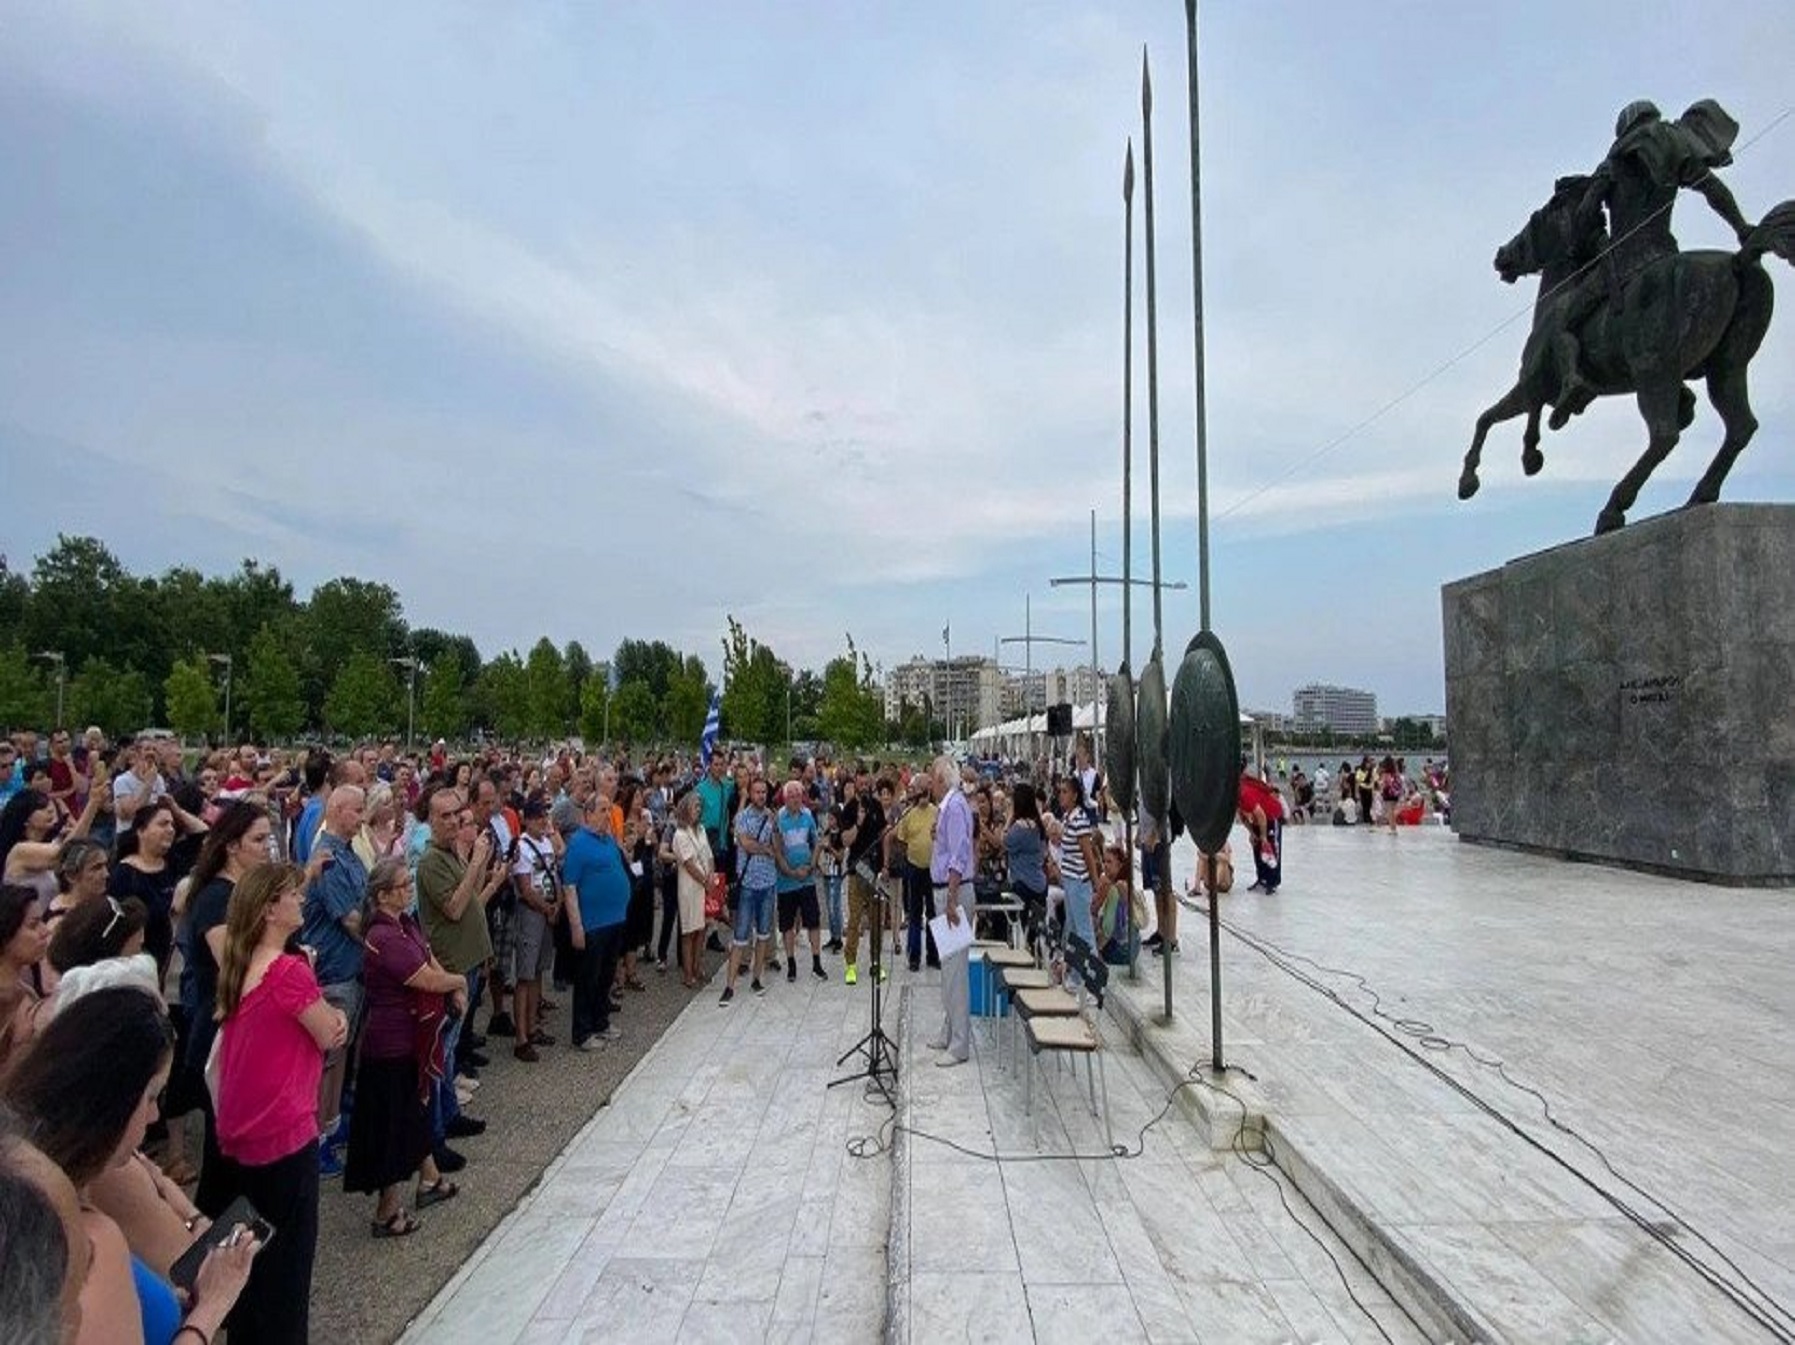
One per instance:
(1638, 181)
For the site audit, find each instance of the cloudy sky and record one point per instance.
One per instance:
(604, 320)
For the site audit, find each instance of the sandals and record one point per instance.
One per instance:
(401, 1225)
(438, 1191)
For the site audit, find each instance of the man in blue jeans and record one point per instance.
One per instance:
(755, 840)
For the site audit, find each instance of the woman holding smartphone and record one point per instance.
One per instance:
(85, 1094)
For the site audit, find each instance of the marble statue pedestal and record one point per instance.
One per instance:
(1631, 698)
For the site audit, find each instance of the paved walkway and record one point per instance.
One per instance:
(712, 1200)
(1175, 1243)
(715, 1198)
(1654, 1014)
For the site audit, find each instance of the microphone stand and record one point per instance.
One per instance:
(880, 1051)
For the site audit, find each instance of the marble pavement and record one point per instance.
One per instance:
(1655, 1014)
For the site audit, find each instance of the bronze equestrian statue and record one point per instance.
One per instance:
(1622, 310)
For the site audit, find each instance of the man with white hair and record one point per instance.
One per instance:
(795, 856)
(332, 929)
(951, 863)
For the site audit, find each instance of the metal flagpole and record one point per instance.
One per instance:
(1196, 274)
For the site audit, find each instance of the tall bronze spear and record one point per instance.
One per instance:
(1122, 690)
(1151, 715)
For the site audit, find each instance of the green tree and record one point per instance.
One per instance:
(117, 699)
(504, 696)
(688, 698)
(579, 668)
(268, 689)
(754, 682)
(593, 698)
(26, 698)
(195, 613)
(74, 592)
(364, 698)
(191, 699)
(442, 704)
(850, 712)
(651, 662)
(633, 713)
(255, 597)
(548, 696)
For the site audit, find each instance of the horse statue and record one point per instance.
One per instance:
(1680, 317)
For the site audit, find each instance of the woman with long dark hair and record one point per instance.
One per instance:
(144, 871)
(32, 839)
(1025, 855)
(85, 1094)
(274, 1028)
(24, 938)
(638, 842)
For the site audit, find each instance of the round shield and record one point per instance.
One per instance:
(1118, 739)
(1204, 742)
(1150, 738)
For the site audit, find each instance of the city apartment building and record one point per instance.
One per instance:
(1341, 709)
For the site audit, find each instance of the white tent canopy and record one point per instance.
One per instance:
(1020, 736)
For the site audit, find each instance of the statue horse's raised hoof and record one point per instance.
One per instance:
(1532, 460)
(1609, 520)
(1467, 484)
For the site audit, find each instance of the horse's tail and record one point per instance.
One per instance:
(1775, 233)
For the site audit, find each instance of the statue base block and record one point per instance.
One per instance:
(1630, 698)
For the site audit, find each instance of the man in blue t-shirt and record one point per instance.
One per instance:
(756, 846)
(796, 860)
(596, 871)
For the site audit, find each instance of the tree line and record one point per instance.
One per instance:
(126, 651)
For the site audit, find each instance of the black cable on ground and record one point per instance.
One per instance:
(870, 1146)
(1770, 1313)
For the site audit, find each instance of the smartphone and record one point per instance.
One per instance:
(238, 1221)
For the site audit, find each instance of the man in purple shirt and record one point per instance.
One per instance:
(950, 870)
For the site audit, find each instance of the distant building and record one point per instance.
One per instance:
(1036, 690)
(963, 693)
(1270, 721)
(1345, 710)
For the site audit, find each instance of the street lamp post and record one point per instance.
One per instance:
(62, 676)
(228, 663)
(410, 663)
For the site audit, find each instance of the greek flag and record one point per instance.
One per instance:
(713, 723)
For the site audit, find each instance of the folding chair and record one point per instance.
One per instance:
(1072, 1033)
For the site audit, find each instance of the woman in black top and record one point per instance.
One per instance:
(143, 871)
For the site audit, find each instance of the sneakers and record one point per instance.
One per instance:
(500, 1025)
(590, 1045)
(833, 946)
(757, 987)
(478, 1059)
(773, 962)
(729, 995)
(791, 970)
(330, 1161)
(464, 1127)
(611, 1033)
(816, 969)
(884, 973)
(851, 976)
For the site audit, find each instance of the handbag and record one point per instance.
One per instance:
(716, 894)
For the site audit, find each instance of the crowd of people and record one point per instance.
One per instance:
(273, 970)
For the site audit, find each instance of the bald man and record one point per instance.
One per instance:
(332, 929)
